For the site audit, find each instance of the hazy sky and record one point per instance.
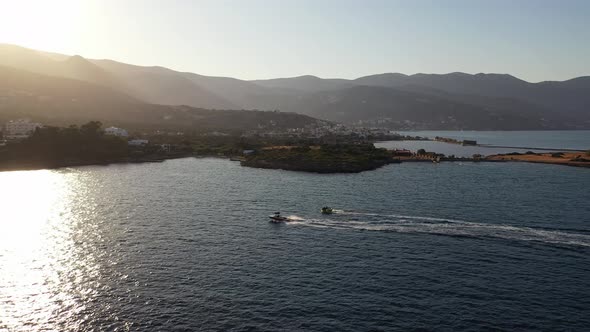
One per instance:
(534, 40)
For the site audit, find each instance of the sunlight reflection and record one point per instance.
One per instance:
(29, 200)
(34, 241)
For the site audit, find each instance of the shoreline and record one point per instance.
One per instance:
(572, 159)
(567, 158)
(33, 166)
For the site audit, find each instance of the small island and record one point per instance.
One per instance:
(337, 158)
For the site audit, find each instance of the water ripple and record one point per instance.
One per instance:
(186, 245)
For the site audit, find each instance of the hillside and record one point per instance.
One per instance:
(74, 67)
(160, 85)
(401, 109)
(62, 101)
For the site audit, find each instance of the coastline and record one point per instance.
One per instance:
(566, 160)
(323, 166)
(31, 166)
(577, 159)
(316, 168)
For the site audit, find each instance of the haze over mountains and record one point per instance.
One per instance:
(73, 90)
(398, 101)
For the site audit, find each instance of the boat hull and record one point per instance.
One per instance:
(278, 219)
(327, 211)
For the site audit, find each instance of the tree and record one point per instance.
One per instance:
(91, 129)
(421, 152)
(54, 144)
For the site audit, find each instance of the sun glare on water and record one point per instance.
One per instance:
(28, 201)
(34, 237)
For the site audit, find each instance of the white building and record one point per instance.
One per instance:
(19, 129)
(138, 142)
(116, 132)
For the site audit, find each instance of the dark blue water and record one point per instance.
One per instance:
(186, 245)
(572, 139)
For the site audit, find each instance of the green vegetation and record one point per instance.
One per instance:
(579, 158)
(53, 146)
(337, 158)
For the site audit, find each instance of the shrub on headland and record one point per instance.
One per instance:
(331, 158)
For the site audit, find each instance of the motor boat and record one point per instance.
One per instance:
(327, 210)
(276, 217)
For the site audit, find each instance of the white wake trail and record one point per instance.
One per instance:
(444, 226)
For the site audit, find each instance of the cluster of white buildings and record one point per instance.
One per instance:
(23, 128)
(323, 130)
(120, 132)
(138, 142)
(342, 130)
(19, 129)
(114, 131)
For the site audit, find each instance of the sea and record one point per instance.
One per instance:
(495, 142)
(186, 245)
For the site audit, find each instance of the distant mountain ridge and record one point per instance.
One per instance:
(420, 101)
(571, 95)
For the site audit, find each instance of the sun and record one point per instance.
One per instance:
(41, 24)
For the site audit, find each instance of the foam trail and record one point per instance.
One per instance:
(449, 227)
(295, 218)
(397, 216)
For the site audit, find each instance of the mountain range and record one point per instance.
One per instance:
(64, 101)
(397, 101)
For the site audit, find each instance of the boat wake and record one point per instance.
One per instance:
(295, 218)
(442, 226)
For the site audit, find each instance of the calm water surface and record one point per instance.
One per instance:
(557, 139)
(571, 139)
(186, 245)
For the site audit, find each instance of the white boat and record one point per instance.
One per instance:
(276, 217)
